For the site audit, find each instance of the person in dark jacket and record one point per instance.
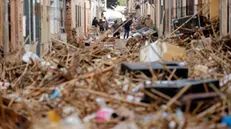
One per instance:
(127, 27)
(101, 25)
(95, 22)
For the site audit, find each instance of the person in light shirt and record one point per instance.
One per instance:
(148, 22)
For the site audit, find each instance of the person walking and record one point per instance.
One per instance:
(101, 25)
(116, 29)
(95, 22)
(127, 27)
(148, 22)
(105, 24)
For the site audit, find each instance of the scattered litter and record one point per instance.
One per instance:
(225, 80)
(226, 120)
(72, 120)
(56, 93)
(105, 113)
(54, 117)
(4, 85)
(79, 85)
(30, 56)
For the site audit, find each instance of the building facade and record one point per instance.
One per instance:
(79, 16)
(225, 17)
(163, 12)
(31, 24)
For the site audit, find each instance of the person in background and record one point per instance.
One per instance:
(116, 29)
(95, 22)
(101, 25)
(105, 24)
(148, 22)
(135, 22)
(127, 27)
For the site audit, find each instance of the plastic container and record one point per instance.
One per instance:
(226, 120)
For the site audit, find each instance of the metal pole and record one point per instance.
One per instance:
(64, 13)
(29, 18)
(170, 15)
(5, 27)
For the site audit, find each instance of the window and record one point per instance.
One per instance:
(190, 7)
(178, 9)
(78, 16)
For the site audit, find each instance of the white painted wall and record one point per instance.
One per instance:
(88, 14)
(93, 9)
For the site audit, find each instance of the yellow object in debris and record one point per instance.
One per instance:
(54, 117)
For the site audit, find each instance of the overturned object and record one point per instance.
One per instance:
(159, 51)
(181, 71)
(171, 88)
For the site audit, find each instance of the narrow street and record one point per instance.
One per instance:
(68, 64)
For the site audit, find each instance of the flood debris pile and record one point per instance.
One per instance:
(134, 44)
(211, 57)
(99, 86)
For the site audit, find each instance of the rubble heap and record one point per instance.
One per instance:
(83, 87)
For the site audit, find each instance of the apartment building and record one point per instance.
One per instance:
(79, 15)
(13, 26)
(31, 24)
(49, 20)
(168, 10)
(163, 12)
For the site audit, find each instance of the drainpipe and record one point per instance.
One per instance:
(5, 27)
(38, 28)
(85, 21)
